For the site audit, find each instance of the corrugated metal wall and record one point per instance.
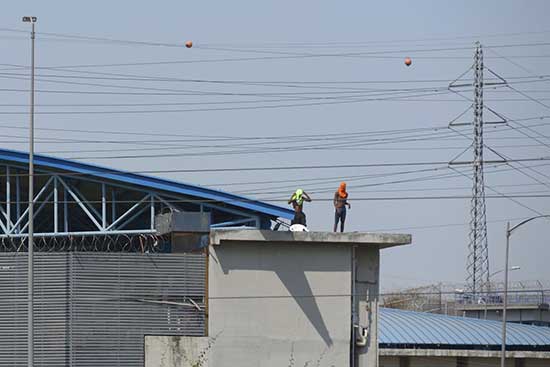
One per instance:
(93, 309)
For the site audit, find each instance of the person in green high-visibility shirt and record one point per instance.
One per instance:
(297, 200)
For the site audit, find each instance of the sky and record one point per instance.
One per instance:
(309, 83)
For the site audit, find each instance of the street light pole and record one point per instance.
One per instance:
(512, 268)
(30, 272)
(505, 300)
(505, 304)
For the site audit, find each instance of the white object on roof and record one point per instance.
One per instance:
(298, 228)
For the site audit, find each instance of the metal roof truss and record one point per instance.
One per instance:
(67, 204)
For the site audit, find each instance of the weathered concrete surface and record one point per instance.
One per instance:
(176, 351)
(380, 240)
(367, 289)
(288, 298)
(273, 305)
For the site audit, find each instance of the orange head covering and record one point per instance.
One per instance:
(342, 190)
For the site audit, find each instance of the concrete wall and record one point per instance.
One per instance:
(367, 287)
(262, 308)
(280, 298)
(436, 362)
(389, 362)
(176, 351)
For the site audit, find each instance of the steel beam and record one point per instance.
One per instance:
(42, 190)
(17, 199)
(152, 213)
(103, 207)
(99, 217)
(8, 198)
(80, 204)
(233, 222)
(129, 220)
(113, 205)
(55, 206)
(128, 212)
(78, 196)
(38, 210)
(65, 211)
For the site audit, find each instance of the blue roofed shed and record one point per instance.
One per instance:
(400, 328)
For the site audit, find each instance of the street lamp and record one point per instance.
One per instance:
(505, 304)
(30, 272)
(512, 268)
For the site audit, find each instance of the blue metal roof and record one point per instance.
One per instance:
(156, 183)
(417, 328)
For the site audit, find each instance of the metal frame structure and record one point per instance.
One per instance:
(102, 275)
(478, 257)
(70, 202)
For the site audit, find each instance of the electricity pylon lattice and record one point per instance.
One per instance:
(478, 249)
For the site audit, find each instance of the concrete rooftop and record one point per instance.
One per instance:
(380, 240)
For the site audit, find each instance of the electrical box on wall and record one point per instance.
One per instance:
(187, 231)
(182, 222)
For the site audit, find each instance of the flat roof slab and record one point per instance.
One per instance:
(380, 240)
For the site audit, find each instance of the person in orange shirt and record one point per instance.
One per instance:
(340, 202)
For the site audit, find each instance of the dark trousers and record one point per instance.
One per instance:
(340, 215)
(299, 218)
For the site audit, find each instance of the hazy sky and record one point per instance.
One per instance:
(276, 69)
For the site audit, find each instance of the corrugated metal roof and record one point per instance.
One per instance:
(149, 182)
(417, 328)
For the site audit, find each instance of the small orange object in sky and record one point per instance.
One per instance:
(189, 44)
(408, 61)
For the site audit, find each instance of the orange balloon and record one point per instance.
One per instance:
(189, 44)
(408, 61)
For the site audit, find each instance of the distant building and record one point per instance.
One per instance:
(525, 307)
(411, 339)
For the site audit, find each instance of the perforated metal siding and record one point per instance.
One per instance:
(93, 309)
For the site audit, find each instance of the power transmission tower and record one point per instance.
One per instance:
(478, 249)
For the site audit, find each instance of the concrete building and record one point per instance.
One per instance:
(286, 298)
(529, 306)
(105, 276)
(134, 271)
(295, 294)
(121, 257)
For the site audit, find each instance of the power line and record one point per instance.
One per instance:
(292, 83)
(195, 137)
(292, 44)
(352, 177)
(245, 200)
(286, 168)
(291, 149)
(431, 177)
(323, 102)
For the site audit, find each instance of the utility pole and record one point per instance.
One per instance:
(478, 258)
(478, 249)
(30, 272)
(509, 232)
